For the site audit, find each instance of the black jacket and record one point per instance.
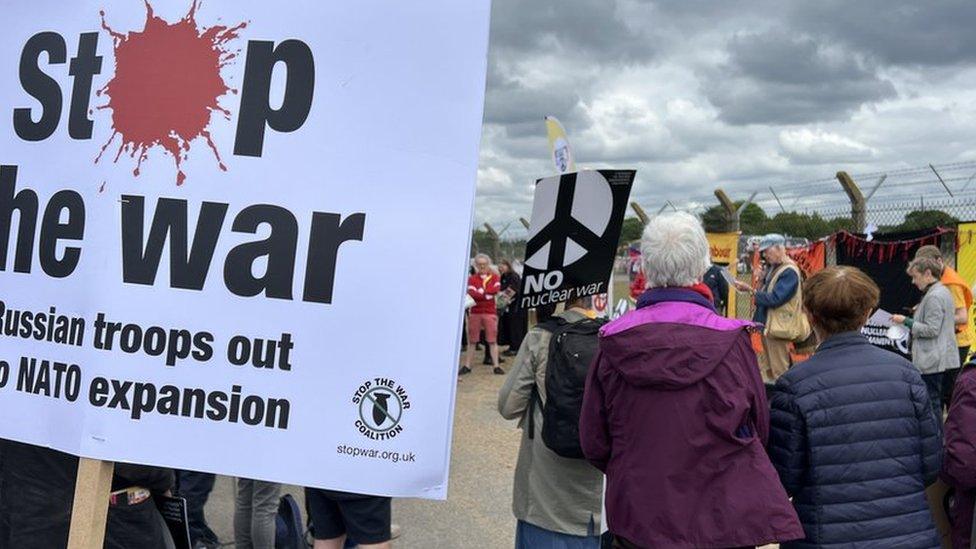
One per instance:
(719, 287)
(37, 493)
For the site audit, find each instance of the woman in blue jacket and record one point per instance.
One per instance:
(853, 436)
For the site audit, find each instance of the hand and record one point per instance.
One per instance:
(742, 286)
(898, 319)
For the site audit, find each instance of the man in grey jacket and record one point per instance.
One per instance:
(933, 328)
(556, 500)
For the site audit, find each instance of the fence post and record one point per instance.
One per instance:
(496, 249)
(731, 212)
(858, 204)
(641, 214)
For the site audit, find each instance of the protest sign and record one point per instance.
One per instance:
(562, 153)
(885, 259)
(573, 235)
(966, 265)
(210, 218)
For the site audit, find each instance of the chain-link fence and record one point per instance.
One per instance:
(897, 200)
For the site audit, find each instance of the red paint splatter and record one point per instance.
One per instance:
(166, 86)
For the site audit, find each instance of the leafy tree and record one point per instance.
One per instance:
(751, 219)
(631, 230)
(839, 224)
(481, 242)
(926, 219)
(795, 224)
(714, 219)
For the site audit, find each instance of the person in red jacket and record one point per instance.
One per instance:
(482, 287)
(959, 464)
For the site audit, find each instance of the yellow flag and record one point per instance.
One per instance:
(562, 154)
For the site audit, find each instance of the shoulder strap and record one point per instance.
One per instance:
(552, 324)
(778, 272)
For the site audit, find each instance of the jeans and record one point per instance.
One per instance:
(196, 487)
(933, 384)
(254, 514)
(528, 536)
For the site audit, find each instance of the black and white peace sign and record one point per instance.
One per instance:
(570, 215)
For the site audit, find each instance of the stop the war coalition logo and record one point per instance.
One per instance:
(381, 404)
(573, 235)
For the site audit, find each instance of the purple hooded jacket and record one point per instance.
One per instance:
(675, 414)
(959, 465)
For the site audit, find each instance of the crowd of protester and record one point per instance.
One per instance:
(661, 428)
(700, 445)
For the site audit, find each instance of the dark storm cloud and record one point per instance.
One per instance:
(584, 28)
(779, 78)
(895, 32)
(738, 93)
(521, 109)
(548, 35)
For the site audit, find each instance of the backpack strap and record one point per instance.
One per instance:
(551, 325)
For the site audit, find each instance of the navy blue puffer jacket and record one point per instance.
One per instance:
(855, 443)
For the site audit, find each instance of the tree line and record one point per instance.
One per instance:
(753, 221)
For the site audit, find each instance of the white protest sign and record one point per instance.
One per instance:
(214, 221)
(880, 317)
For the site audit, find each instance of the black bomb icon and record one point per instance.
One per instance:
(381, 405)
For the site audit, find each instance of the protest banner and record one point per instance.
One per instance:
(573, 235)
(209, 227)
(884, 258)
(966, 265)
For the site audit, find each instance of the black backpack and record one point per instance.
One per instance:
(571, 351)
(288, 524)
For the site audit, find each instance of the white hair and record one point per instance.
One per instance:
(486, 257)
(674, 250)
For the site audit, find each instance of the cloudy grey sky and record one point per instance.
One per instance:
(741, 94)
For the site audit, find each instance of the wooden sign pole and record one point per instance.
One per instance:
(90, 510)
